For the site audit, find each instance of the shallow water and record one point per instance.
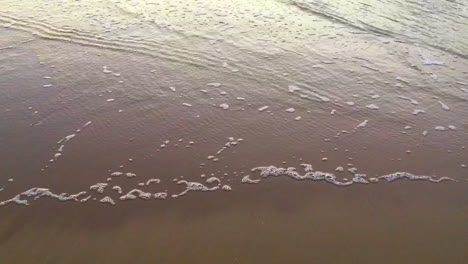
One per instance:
(126, 93)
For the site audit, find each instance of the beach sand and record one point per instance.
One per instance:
(186, 91)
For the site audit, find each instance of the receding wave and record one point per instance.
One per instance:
(154, 49)
(434, 23)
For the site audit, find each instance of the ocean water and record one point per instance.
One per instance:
(233, 131)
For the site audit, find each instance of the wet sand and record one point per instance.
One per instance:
(196, 90)
(277, 222)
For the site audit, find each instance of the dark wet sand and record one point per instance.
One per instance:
(276, 222)
(279, 220)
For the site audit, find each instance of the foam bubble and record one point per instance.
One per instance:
(148, 182)
(263, 108)
(66, 138)
(401, 79)
(444, 106)
(372, 107)
(418, 111)
(85, 199)
(194, 186)
(118, 189)
(339, 168)
(186, 104)
(99, 187)
(363, 124)
(322, 98)
(290, 110)
(108, 200)
(105, 70)
(373, 180)
(408, 99)
(224, 106)
(247, 179)
(213, 180)
(131, 195)
(293, 88)
(87, 124)
(130, 174)
(226, 188)
(160, 195)
(427, 61)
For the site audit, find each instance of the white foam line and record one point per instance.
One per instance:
(232, 142)
(37, 193)
(64, 140)
(310, 174)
